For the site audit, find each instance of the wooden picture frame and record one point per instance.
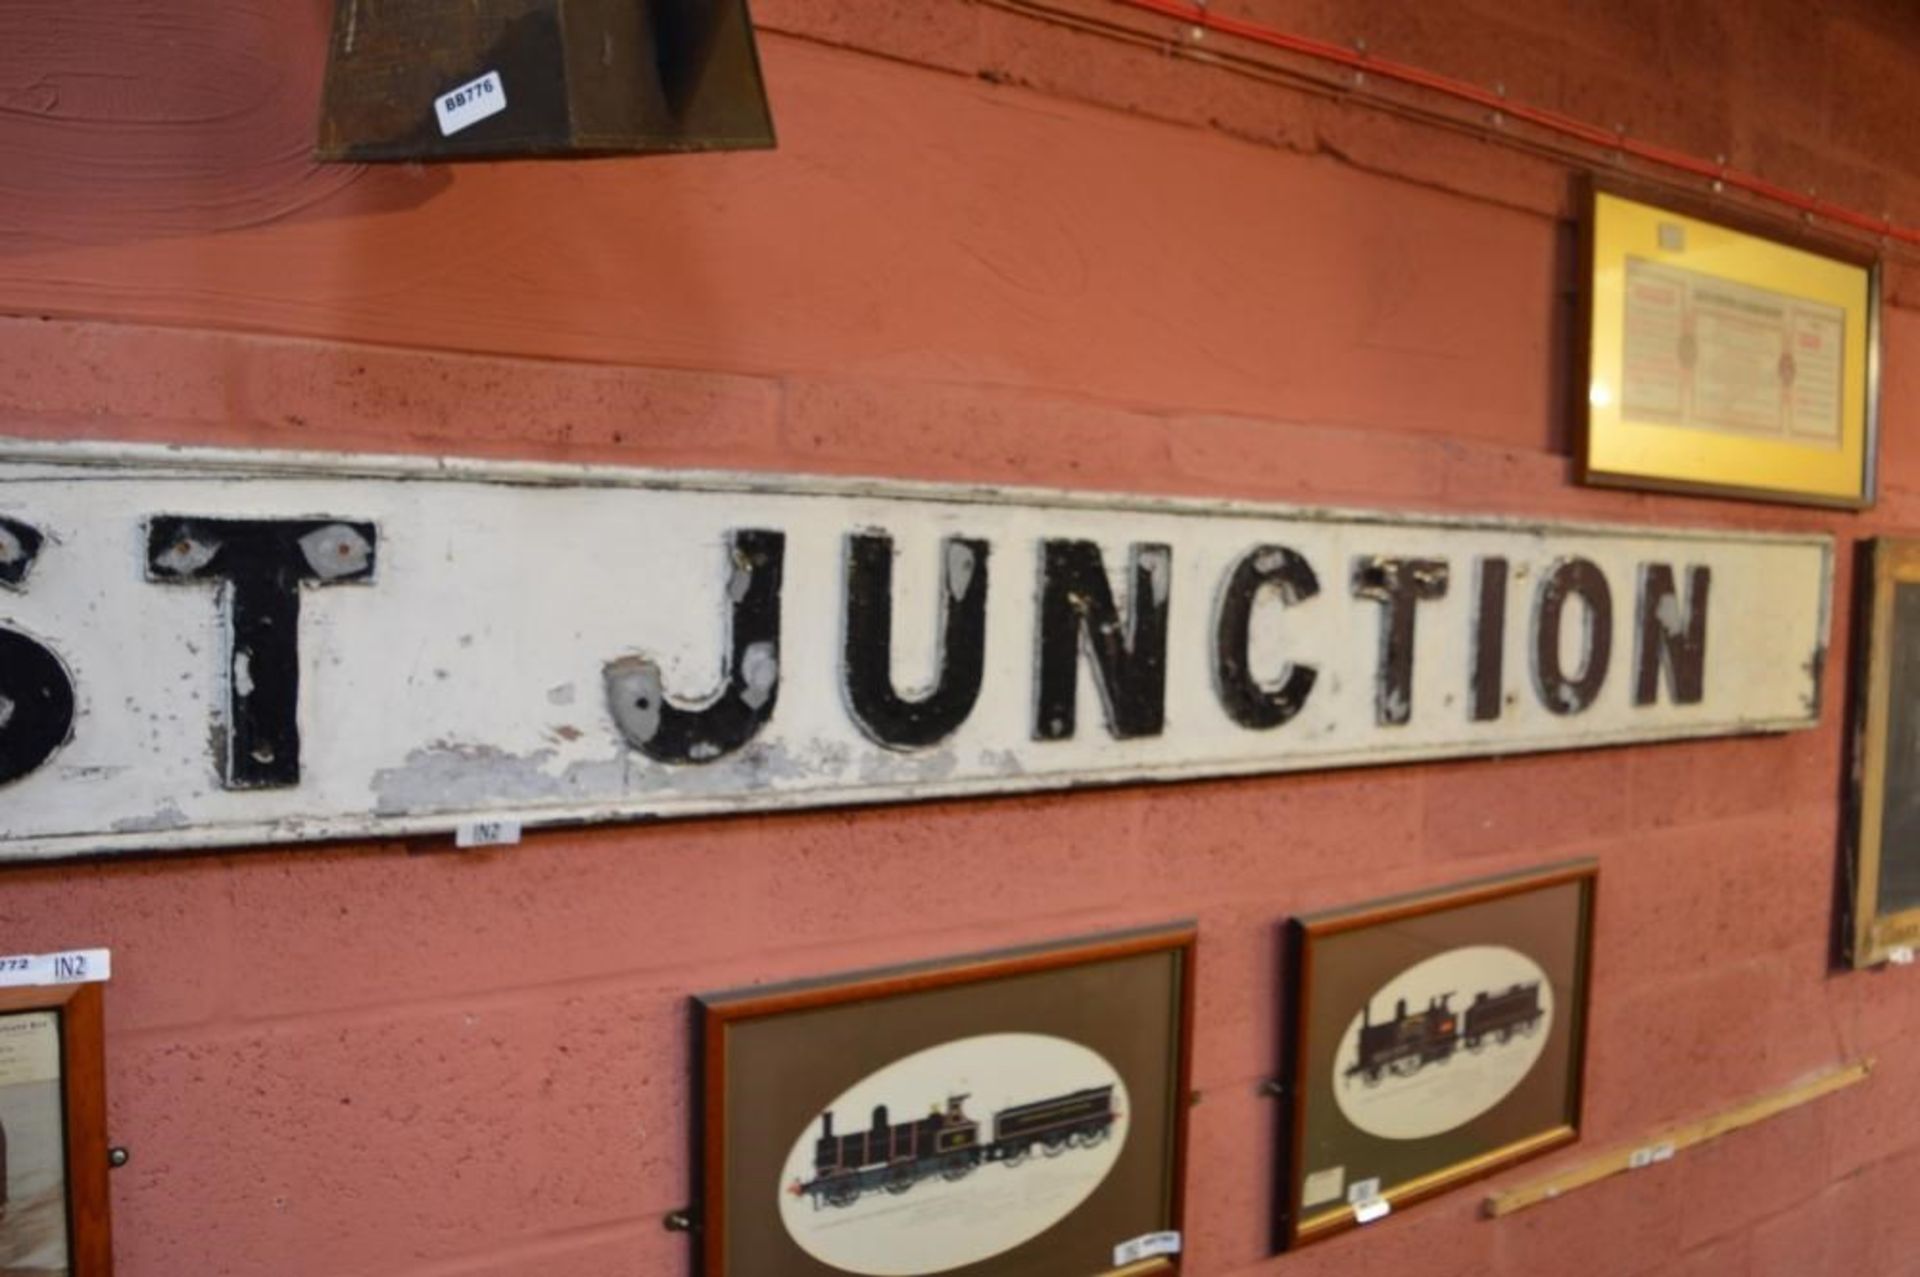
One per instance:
(1433, 1039)
(1882, 867)
(53, 1133)
(1065, 1064)
(1723, 358)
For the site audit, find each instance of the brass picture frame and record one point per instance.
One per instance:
(54, 1216)
(875, 1122)
(1882, 878)
(1723, 358)
(1433, 1038)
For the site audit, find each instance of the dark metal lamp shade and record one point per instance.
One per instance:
(460, 79)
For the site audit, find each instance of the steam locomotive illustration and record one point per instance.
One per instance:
(1407, 1043)
(895, 1156)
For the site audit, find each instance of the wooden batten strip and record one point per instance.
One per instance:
(1664, 1145)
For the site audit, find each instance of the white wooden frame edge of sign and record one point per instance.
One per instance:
(268, 463)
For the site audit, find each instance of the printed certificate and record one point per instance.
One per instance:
(1723, 361)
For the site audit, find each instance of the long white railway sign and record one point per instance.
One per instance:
(203, 648)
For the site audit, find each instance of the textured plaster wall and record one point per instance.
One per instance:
(987, 250)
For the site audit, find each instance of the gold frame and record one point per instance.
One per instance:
(1642, 452)
(1870, 936)
(1297, 1227)
(716, 1014)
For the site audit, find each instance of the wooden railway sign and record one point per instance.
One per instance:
(202, 648)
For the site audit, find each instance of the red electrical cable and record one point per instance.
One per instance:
(1551, 121)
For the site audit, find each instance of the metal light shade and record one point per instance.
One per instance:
(570, 77)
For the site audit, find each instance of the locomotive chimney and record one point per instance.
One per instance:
(826, 1125)
(1400, 1009)
(879, 1117)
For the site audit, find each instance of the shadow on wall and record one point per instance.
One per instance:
(126, 122)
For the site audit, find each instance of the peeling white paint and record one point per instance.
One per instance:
(760, 671)
(959, 571)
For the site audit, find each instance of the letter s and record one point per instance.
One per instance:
(36, 692)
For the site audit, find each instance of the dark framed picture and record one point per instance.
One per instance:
(1012, 1114)
(53, 1143)
(1727, 359)
(1435, 1038)
(1883, 880)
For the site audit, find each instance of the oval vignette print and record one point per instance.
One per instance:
(953, 1154)
(1442, 1042)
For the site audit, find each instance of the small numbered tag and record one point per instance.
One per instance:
(1647, 1155)
(1367, 1212)
(487, 833)
(75, 966)
(1145, 1248)
(472, 102)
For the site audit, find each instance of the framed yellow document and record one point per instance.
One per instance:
(1725, 362)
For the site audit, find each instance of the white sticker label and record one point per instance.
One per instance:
(487, 833)
(1323, 1186)
(1363, 1190)
(1648, 1154)
(1901, 956)
(1367, 1212)
(76, 966)
(471, 103)
(1145, 1248)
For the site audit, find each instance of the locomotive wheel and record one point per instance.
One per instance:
(1506, 1033)
(1529, 1027)
(1475, 1044)
(1018, 1156)
(957, 1169)
(1054, 1145)
(1371, 1077)
(1405, 1066)
(899, 1180)
(1098, 1135)
(845, 1193)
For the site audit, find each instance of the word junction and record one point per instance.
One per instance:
(294, 647)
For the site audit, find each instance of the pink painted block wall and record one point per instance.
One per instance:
(1096, 268)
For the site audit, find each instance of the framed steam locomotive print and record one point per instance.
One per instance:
(1884, 821)
(53, 1143)
(1435, 1038)
(1014, 1114)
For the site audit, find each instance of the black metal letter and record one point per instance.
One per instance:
(1671, 635)
(36, 692)
(1567, 578)
(1247, 701)
(867, 666)
(1131, 669)
(1398, 585)
(263, 563)
(636, 691)
(1489, 640)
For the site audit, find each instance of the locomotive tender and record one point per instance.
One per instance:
(896, 1156)
(1405, 1044)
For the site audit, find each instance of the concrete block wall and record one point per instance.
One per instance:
(989, 249)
